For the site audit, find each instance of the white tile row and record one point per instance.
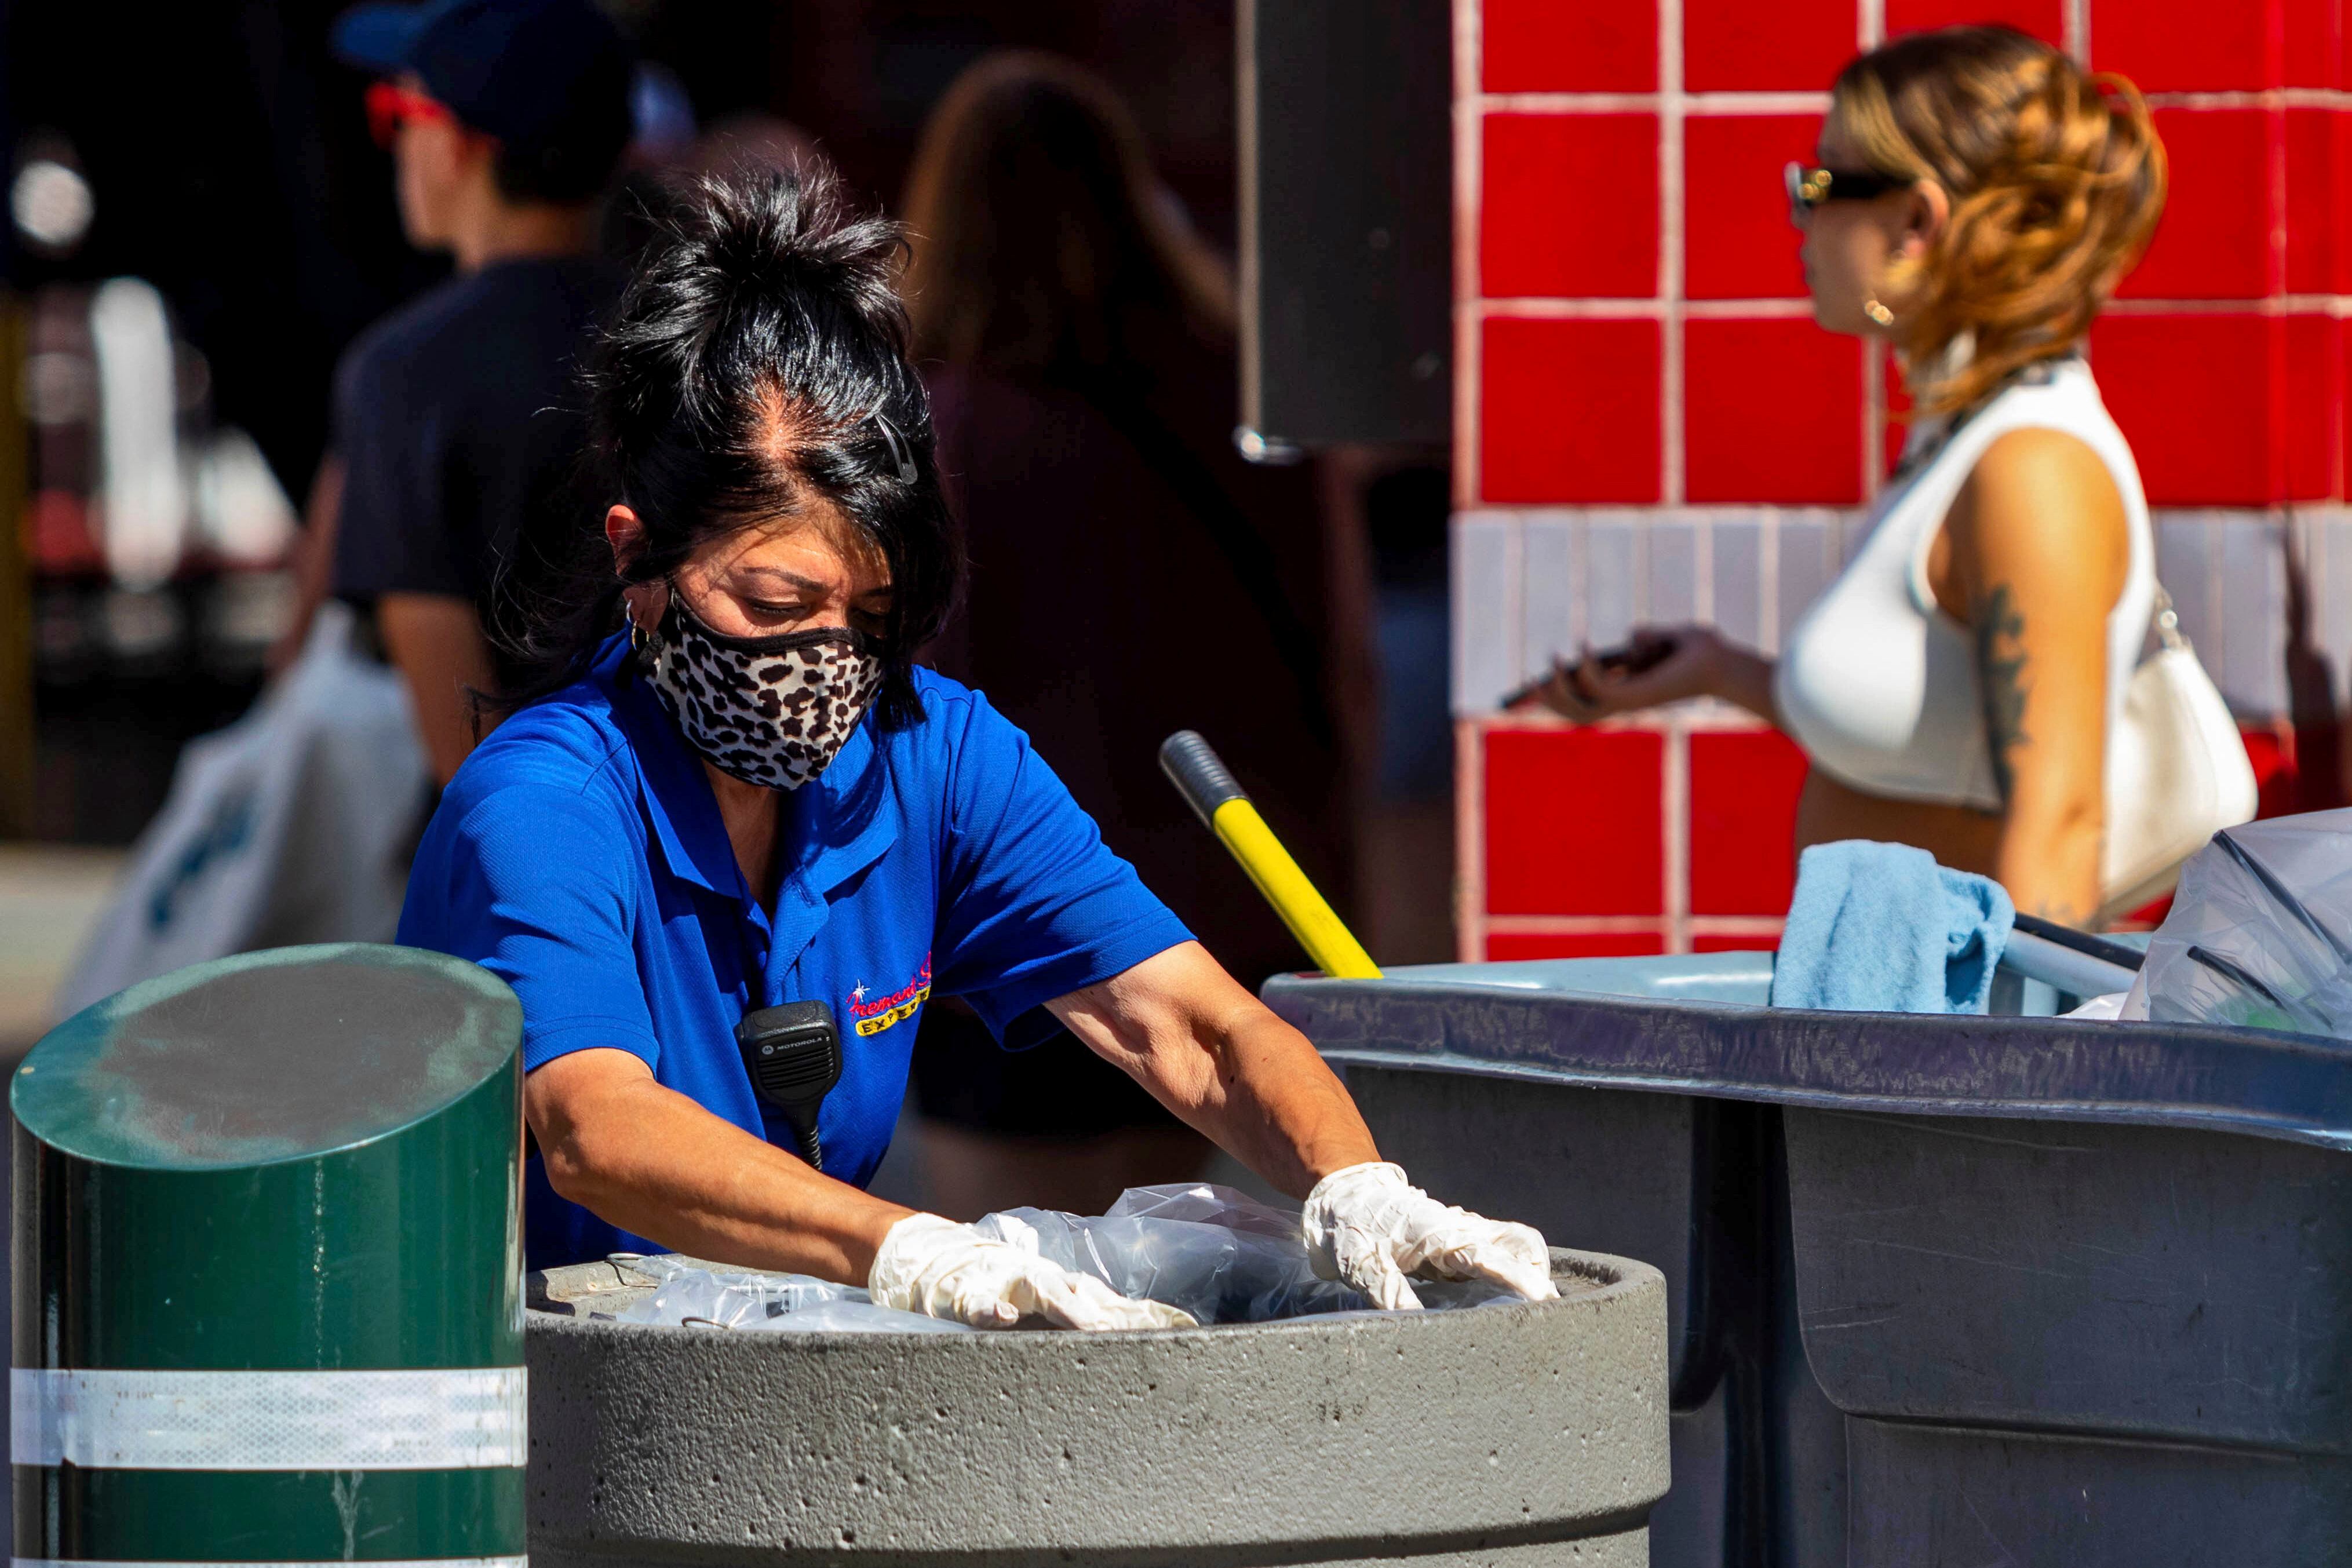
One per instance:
(1529, 584)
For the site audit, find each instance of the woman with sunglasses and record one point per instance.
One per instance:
(1978, 199)
(738, 818)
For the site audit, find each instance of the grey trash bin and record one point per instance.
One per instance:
(1499, 1436)
(2015, 1290)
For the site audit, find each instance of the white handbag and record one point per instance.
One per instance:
(2177, 772)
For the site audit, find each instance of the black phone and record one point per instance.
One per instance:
(792, 1053)
(1633, 658)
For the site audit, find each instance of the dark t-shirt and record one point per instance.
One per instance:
(459, 424)
(1104, 610)
(1131, 576)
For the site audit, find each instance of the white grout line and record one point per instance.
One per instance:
(1574, 925)
(1874, 416)
(1580, 575)
(1703, 569)
(1671, 270)
(1871, 24)
(1728, 103)
(1470, 922)
(1467, 206)
(1740, 309)
(2075, 31)
(2336, 305)
(1515, 597)
(1675, 811)
(1627, 308)
(2264, 98)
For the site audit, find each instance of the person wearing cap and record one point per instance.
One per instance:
(455, 422)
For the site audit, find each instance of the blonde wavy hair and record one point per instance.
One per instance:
(2056, 179)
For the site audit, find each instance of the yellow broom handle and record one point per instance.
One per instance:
(1211, 793)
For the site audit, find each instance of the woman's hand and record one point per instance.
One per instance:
(1658, 665)
(1219, 1058)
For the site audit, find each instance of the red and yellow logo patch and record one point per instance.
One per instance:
(877, 1013)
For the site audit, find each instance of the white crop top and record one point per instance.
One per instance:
(1877, 682)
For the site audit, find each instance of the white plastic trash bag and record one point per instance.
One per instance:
(291, 826)
(2260, 933)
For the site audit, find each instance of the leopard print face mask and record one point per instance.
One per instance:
(773, 711)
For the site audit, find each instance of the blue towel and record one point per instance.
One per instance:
(1881, 928)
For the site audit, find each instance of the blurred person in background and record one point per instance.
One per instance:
(1977, 202)
(1130, 576)
(456, 430)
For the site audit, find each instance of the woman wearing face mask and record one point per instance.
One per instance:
(1977, 201)
(739, 793)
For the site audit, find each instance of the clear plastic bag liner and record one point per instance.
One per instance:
(1217, 1253)
(771, 1303)
(2260, 933)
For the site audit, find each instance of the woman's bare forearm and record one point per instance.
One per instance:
(1217, 1057)
(2049, 861)
(1744, 679)
(1281, 1111)
(654, 1162)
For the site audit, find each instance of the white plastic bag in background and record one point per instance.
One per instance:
(291, 826)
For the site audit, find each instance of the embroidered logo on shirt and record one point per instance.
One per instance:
(882, 1012)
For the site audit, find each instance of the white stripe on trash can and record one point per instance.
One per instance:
(370, 1563)
(448, 1419)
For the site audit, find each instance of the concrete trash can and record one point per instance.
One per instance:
(2029, 1290)
(1505, 1436)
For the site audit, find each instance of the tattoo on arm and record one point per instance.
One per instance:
(2000, 680)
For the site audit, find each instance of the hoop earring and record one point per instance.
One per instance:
(1878, 313)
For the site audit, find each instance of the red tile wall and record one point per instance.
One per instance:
(2214, 240)
(1576, 845)
(1569, 46)
(1744, 785)
(1569, 410)
(1547, 790)
(1507, 947)
(1729, 46)
(2045, 19)
(1533, 242)
(1629, 228)
(1771, 406)
(1634, 333)
(1737, 243)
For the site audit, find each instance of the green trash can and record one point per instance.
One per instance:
(268, 1267)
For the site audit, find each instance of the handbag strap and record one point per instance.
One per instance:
(2166, 621)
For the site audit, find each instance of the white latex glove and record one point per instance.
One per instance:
(1370, 1227)
(931, 1265)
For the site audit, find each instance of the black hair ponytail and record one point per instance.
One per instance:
(758, 355)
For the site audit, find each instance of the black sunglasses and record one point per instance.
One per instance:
(1810, 186)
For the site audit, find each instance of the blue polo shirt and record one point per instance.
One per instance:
(578, 856)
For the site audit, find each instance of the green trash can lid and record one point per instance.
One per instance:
(280, 1055)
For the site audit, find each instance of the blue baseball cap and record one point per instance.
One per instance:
(533, 73)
